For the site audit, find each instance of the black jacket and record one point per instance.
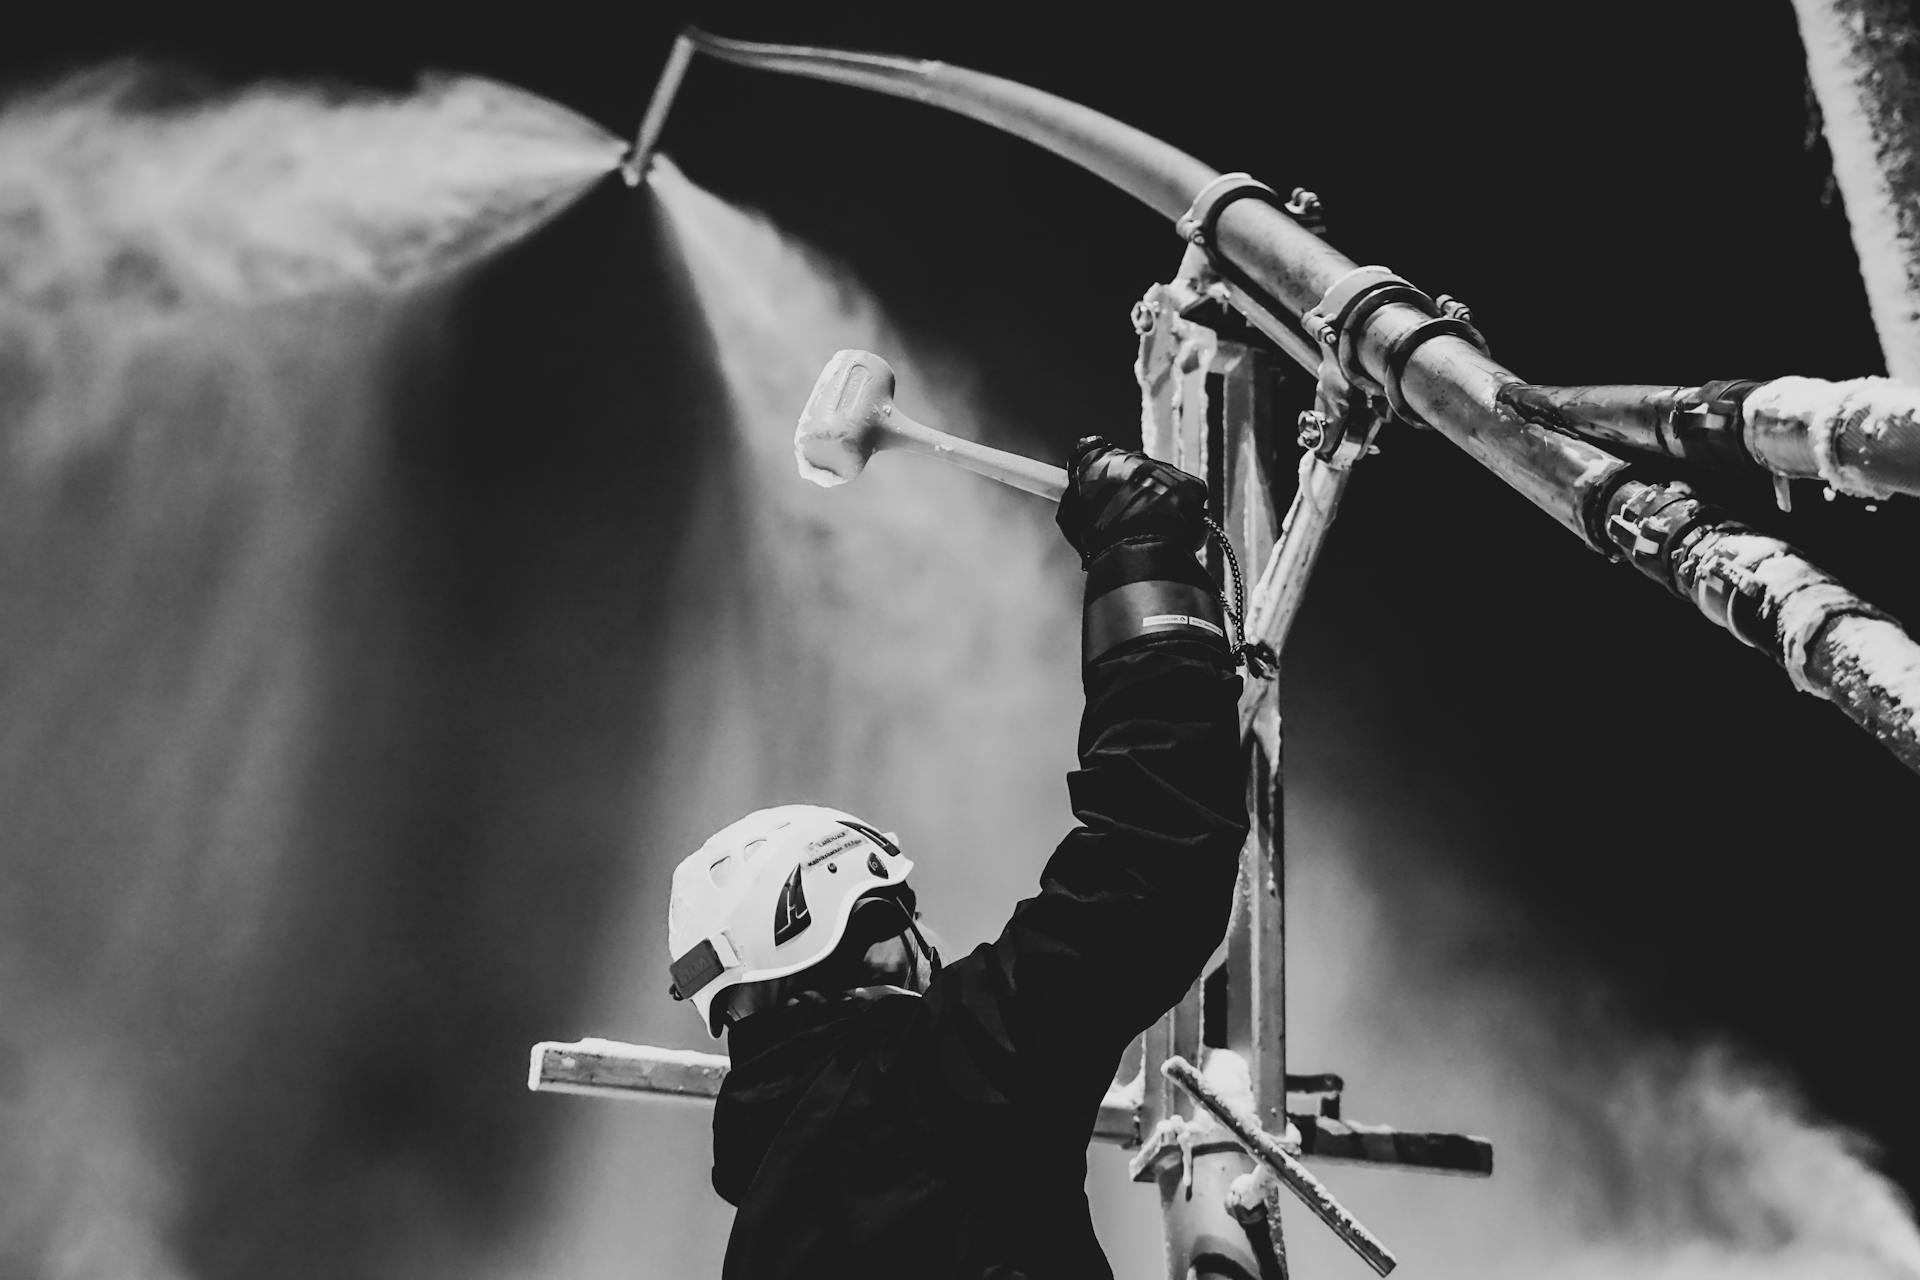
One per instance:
(946, 1135)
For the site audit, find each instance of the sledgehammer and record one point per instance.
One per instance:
(851, 416)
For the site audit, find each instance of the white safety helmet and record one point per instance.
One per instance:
(771, 895)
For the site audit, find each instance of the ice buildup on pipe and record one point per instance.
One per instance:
(1861, 436)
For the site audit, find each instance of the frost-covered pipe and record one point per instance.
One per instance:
(1860, 436)
(1863, 57)
(1830, 642)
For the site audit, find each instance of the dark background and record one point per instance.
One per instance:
(1623, 192)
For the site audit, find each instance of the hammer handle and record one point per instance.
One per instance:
(902, 432)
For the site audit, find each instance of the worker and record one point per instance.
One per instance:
(891, 1112)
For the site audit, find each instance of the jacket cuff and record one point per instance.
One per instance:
(1150, 587)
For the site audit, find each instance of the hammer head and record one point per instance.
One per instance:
(845, 417)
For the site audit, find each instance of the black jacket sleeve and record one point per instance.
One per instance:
(1135, 898)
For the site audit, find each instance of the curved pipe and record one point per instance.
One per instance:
(1162, 177)
(1447, 382)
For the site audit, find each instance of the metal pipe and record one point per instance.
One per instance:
(1640, 418)
(1831, 643)
(1162, 176)
(1439, 376)
(634, 167)
(1204, 1239)
(1861, 436)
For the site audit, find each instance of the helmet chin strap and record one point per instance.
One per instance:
(923, 966)
(921, 950)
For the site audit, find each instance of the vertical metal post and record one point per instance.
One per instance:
(1207, 407)
(1172, 368)
(1256, 973)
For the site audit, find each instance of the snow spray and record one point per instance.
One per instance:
(120, 220)
(1619, 1152)
(204, 303)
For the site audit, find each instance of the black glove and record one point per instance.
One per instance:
(1119, 495)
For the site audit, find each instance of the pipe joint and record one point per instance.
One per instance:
(1649, 524)
(1198, 226)
(1339, 322)
(1707, 424)
(1340, 317)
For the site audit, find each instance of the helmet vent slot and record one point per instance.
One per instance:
(790, 914)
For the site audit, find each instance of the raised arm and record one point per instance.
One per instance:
(1138, 895)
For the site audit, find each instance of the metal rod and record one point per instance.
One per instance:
(1266, 1148)
(1283, 582)
(1278, 331)
(634, 168)
(1254, 1201)
(612, 1069)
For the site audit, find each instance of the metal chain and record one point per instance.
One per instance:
(1258, 657)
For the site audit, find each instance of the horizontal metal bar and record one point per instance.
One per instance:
(612, 1069)
(1318, 1082)
(1323, 1138)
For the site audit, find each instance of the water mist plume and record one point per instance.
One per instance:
(205, 309)
(932, 614)
(905, 647)
(1621, 1152)
(273, 192)
(128, 215)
